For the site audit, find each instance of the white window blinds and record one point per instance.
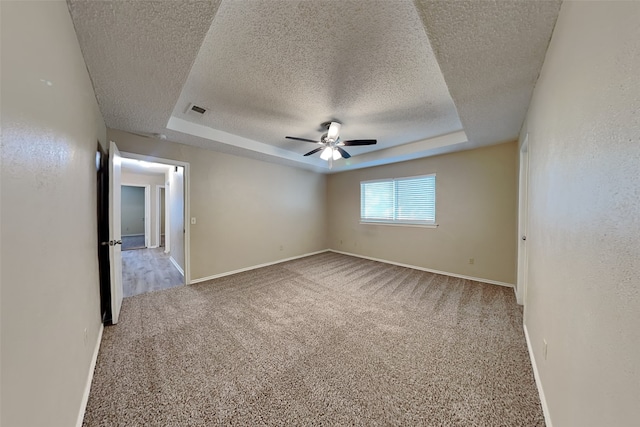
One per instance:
(401, 200)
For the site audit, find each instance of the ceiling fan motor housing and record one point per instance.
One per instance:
(333, 133)
(325, 125)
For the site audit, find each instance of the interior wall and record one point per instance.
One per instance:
(132, 210)
(176, 215)
(248, 212)
(476, 209)
(50, 301)
(152, 180)
(584, 216)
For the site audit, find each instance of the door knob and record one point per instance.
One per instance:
(111, 243)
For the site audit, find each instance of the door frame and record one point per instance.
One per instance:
(523, 223)
(158, 230)
(187, 203)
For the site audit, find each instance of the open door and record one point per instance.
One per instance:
(115, 232)
(523, 223)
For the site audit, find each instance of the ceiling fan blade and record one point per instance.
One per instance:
(302, 139)
(314, 151)
(355, 142)
(345, 155)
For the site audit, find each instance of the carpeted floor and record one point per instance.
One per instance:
(132, 242)
(323, 340)
(148, 270)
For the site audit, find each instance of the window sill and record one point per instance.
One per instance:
(399, 224)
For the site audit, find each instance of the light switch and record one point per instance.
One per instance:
(193, 220)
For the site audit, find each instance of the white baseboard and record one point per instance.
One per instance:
(152, 247)
(415, 267)
(87, 387)
(131, 235)
(175, 263)
(253, 267)
(536, 375)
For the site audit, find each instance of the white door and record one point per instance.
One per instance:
(115, 232)
(523, 223)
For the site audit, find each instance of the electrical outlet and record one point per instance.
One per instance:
(193, 220)
(472, 261)
(340, 242)
(544, 349)
(281, 247)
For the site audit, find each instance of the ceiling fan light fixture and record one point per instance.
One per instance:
(326, 153)
(336, 155)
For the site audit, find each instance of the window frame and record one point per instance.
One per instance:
(398, 222)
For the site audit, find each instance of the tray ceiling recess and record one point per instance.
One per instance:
(423, 77)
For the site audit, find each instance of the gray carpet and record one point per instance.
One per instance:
(323, 340)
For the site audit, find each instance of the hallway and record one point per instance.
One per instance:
(147, 270)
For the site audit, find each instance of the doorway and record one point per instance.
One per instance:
(109, 179)
(153, 265)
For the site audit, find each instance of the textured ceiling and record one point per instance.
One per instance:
(491, 53)
(283, 67)
(139, 54)
(270, 68)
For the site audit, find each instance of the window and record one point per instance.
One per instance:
(399, 201)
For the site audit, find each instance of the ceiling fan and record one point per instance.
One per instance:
(331, 144)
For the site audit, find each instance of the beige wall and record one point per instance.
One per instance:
(583, 295)
(248, 212)
(475, 208)
(49, 275)
(153, 181)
